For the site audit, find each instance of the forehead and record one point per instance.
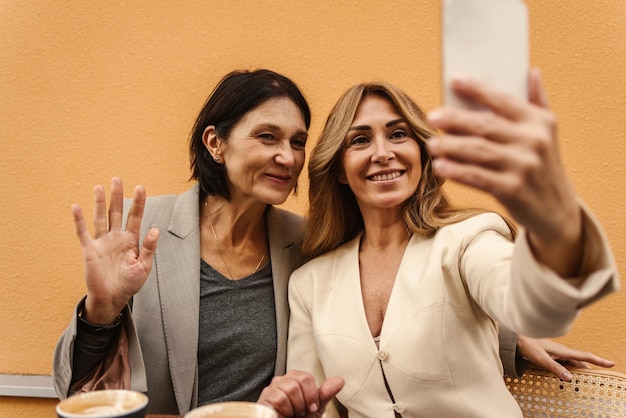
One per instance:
(374, 107)
(279, 111)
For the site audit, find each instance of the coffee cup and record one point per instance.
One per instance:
(232, 410)
(109, 403)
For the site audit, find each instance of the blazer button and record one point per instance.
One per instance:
(398, 407)
(382, 355)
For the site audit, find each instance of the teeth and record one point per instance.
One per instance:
(386, 176)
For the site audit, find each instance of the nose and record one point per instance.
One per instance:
(284, 156)
(382, 152)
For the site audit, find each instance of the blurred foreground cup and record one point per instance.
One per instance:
(232, 410)
(107, 403)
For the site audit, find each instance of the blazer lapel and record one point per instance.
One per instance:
(178, 263)
(346, 293)
(285, 238)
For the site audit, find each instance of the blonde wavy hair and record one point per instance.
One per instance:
(334, 216)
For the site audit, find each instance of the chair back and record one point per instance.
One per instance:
(591, 393)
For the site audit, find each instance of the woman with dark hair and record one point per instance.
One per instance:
(403, 297)
(203, 317)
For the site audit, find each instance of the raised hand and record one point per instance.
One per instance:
(115, 267)
(551, 355)
(296, 394)
(511, 152)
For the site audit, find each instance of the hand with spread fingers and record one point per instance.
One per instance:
(551, 356)
(511, 152)
(115, 267)
(296, 394)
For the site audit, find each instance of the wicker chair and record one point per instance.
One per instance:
(591, 394)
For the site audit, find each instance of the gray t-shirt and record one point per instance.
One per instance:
(237, 339)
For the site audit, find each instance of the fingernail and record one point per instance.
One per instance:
(438, 164)
(435, 115)
(566, 376)
(432, 144)
(461, 80)
(313, 407)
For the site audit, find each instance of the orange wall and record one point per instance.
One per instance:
(91, 90)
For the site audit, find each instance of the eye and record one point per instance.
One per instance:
(266, 136)
(359, 140)
(298, 143)
(399, 134)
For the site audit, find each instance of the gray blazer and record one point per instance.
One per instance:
(163, 327)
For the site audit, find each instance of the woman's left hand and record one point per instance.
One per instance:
(511, 151)
(550, 355)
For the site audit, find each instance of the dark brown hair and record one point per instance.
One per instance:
(235, 95)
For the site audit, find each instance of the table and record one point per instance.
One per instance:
(163, 416)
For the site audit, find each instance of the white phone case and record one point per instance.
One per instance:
(486, 40)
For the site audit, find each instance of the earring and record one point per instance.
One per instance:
(217, 159)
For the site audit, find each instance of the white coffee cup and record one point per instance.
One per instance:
(109, 403)
(232, 410)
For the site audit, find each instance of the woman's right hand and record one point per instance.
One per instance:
(296, 394)
(115, 267)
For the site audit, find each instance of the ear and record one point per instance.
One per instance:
(342, 177)
(212, 142)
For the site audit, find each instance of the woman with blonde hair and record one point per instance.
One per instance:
(403, 297)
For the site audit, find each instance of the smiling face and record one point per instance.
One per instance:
(264, 153)
(381, 162)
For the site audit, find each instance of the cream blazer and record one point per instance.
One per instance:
(438, 344)
(163, 330)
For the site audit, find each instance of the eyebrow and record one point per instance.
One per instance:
(274, 127)
(367, 127)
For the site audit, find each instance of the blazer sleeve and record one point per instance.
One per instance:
(114, 371)
(513, 288)
(513, 364)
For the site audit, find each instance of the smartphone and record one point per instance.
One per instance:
(486, 40)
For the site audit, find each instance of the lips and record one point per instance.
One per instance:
(279, 178)
(276, 176)
(385, 176)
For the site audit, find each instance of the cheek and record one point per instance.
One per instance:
(299, 162)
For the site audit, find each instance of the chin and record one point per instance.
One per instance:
(275, 199)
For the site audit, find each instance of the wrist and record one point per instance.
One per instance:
(99, 316)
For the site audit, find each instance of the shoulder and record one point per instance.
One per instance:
(285, 222)
(160, 206)
(167, 208)
(287, 217)
(322, 265)
(476, 225)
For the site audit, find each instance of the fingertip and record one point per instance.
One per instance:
(151, 239)
(435, 116)
(462, 81)
(535, 71)
(566, 376)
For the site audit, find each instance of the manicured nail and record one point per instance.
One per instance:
(435, 116)
(462, 80)
(432, 144)
(438, 164)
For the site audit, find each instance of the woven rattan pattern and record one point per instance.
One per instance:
(590, 394)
